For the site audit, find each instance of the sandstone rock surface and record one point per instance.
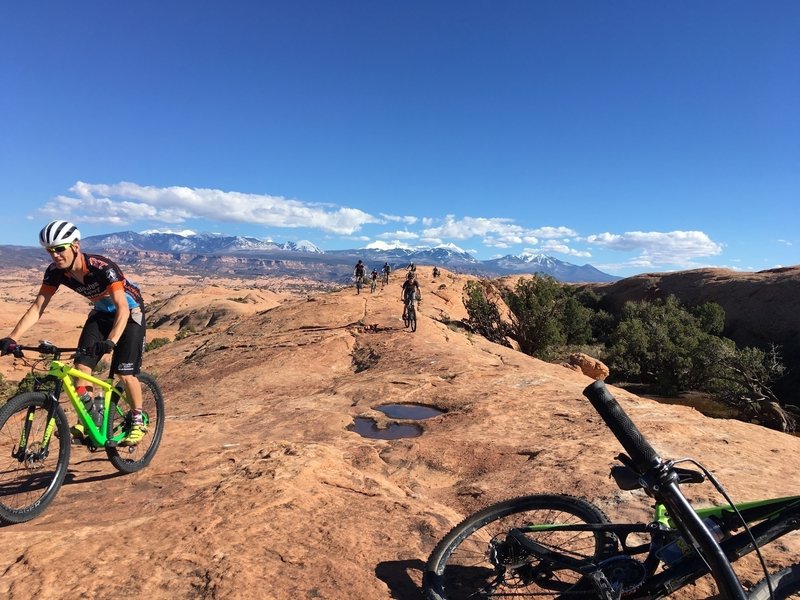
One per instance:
(262, 490)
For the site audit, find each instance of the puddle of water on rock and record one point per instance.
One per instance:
(409, 411)
(368, 428)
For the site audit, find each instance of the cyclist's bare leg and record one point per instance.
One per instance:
(133, 388)
(81, 382)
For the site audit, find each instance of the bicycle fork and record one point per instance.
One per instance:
(22, 453)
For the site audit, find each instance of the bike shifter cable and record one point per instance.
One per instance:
(725, 495)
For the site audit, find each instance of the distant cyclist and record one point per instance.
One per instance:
(435, 272)
(373, 281)
(412, 268)
(386, 269)
(358, 273)
(410, 292)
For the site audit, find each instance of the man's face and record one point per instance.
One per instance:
(62, 254)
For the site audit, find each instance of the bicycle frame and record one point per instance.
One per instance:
(773, 518)
(67, 374)
(64, 377)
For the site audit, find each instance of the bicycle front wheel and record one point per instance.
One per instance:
(33, 458)
(129, 459)
(412, 319)
(785, 584)
(476, 560)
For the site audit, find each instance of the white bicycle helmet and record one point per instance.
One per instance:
(57, 233)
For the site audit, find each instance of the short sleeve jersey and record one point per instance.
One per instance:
(409, 288)
(100, 277)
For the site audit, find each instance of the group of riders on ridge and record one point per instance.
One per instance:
(410, 289)
(115, 324)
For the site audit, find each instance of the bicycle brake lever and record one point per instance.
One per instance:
(625, 460)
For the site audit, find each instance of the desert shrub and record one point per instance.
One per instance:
(576, 321)
(711, 317)
(483, 314)
(156, 343)
(31, 381)
(184, 332)
(7, 389)
(537, 307)
(603, 324)
(656, 343)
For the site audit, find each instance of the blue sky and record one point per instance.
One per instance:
(634, 136)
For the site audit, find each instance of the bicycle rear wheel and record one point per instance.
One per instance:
(475, 560)
(785, 584)
(31, 477)
(129, 459)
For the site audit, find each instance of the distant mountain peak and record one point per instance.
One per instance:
(538, 258)
(302, 246)
(449, 256)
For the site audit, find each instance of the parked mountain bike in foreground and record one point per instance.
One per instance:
(560, 546)
(35, 438)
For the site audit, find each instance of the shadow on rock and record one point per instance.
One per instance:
(396, 575)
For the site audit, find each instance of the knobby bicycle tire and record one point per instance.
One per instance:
(463, 564)
(129, 459)
(412, 319)
(785, 584)
(27, 487)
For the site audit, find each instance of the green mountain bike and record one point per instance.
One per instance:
(559, 546)
(35, 438)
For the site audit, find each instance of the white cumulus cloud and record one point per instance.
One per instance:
(659, 248)
(124, 203)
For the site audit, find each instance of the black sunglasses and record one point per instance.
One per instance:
(58, 249)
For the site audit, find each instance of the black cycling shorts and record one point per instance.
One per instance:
(127, 356)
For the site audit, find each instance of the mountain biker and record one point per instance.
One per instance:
(115, 324)
(386, 269)
(374, 277)
(410, 291)
(358, 274)
(435, 272)
(412, 267)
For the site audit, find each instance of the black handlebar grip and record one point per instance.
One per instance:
(620, 424)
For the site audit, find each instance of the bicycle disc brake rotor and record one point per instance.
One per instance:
(34, 459)
(513, 563)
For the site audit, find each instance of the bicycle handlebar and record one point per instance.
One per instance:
(665, 488)
(641, 452)
(44, 347)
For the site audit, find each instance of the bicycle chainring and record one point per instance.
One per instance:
(624, 572)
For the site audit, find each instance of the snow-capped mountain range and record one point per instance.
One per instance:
(334, 263)
(190, 242)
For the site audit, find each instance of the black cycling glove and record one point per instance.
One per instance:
(7, 345)
(103, 347)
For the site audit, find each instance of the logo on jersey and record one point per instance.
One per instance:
(112, 275)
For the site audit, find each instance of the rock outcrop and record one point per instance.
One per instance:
(591, 367)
